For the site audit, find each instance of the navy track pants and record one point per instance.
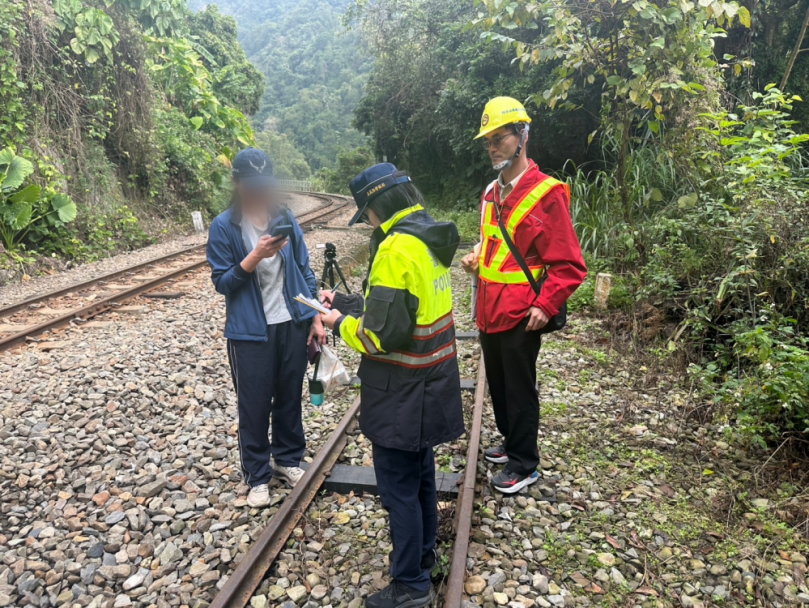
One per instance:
(268, 378)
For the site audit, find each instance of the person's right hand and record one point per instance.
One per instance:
(327, 297)
(268, 246)
(470, 262)
(330, 320)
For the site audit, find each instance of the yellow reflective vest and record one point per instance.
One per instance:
(409, 370)
(494, 251)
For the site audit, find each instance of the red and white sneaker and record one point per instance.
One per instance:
(509, 483)
(497, 455)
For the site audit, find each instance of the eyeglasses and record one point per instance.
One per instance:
(495, 141)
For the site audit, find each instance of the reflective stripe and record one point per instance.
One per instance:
(367, 342)
(411, 360)
(366, 339)
(425, 331)
(493, 237)
(511, 277)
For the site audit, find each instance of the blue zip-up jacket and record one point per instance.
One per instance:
(245, 309)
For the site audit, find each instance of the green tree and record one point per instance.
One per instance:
(289, 161)
(349, 164)
(114, 100)
(314, 70)
(430, 82)
(181, 73)
(648, 56)
(236, 81)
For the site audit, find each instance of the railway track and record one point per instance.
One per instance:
(247, 576)
(23, 321)
(80, 302)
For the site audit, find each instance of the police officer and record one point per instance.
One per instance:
(411, 399)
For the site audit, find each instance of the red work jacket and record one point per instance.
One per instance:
(545, 237)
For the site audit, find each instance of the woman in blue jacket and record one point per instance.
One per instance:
(267, 330)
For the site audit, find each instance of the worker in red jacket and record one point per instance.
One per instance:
(525, 276)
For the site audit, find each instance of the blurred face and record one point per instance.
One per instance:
(255, 199)
(501, 144)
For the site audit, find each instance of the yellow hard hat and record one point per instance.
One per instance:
(501, 111)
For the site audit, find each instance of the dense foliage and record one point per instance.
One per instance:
(687, 171)
(314, 70)
(112, 100)
(431, 79)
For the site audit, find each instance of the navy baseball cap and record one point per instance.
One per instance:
(253, 168)
(371, 183)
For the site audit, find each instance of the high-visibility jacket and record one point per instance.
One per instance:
(536, 215)
(410, 390)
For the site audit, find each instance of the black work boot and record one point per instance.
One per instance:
(399, 595)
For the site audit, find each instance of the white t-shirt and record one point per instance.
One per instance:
(270, 274)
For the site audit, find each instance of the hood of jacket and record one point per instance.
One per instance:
(441, 237)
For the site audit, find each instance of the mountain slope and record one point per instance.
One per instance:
(315, 72)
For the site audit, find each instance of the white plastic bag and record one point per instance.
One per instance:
(330, 371)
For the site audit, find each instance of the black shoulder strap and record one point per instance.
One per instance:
(513, 249)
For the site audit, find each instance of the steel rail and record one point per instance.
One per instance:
(97, 307)
(466, 500)
(248, 575)
(331, 198)
(108, 302)
(12, 308)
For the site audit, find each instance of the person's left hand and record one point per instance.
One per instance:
(330, 319)
(536, 319)
(317, 332)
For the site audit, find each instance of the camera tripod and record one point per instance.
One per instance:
(330, 267)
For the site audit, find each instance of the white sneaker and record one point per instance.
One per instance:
(259, 496)
(292, 475)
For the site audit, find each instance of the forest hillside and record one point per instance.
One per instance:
(118, 117)
(314, 70)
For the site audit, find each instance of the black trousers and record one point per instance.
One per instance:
(268, 378)
(406, 482)
(511, 371)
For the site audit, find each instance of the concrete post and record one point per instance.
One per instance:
(602, 291)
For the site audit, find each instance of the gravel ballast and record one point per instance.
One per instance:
(119, 480)
(119, 477)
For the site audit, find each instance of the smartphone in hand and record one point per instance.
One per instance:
(284, 230)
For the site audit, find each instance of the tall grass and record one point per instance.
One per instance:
(595, 205)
